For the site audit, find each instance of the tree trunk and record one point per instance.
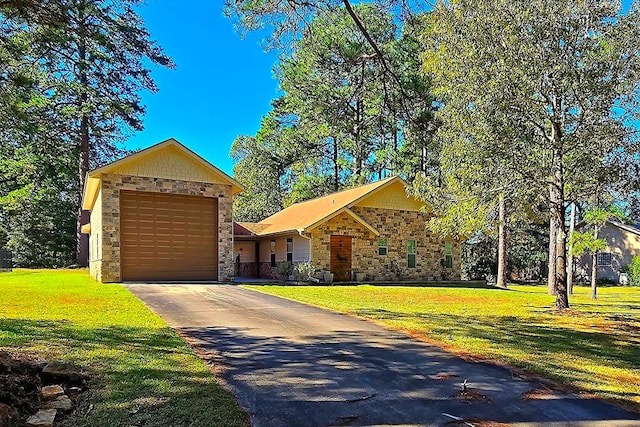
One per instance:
(82, 255)
(501, 279)
(82, 248)
(358, 160)
(562, 299)
(557, 217)
(594, 267)
(572, 226)
(336, 168)
(594, 275)
(551, 278)
(594, 255)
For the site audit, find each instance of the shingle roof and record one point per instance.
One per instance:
(305, 215)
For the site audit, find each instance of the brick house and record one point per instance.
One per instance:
(374, 231)
(163, 213)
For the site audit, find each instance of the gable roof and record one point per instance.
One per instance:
(626, 227)
(307, 215)
(93, 180)
(635, 229)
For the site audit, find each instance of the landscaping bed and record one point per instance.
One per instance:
(37, 392)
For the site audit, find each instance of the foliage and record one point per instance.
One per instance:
(633, 271)
(140, 371)
(527, 255)
(588, 242)
(531, 85)
(305, 269)
(514, 327)
(285, 268)
(70, 77)
(584, 242)
(340, 122)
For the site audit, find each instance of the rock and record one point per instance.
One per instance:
(64, 372)
(51, 391)
(9, 417)
(62, 403)
(44, 418)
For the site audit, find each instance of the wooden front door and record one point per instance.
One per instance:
(341, 258)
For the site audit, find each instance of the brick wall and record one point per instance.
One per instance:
(397, 226)
(108, 269)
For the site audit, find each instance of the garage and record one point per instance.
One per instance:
(168, 236)
(161, 214)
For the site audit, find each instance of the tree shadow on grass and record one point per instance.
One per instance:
(136, 375)
(614, 347)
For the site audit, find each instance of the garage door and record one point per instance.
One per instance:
(168, 236)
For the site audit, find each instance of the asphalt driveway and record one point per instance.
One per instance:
(294, 365)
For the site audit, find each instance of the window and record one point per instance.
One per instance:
(448, 255)
(411, 253)
(290, 249)
(382, 246)
(273, 253)
(604, 259)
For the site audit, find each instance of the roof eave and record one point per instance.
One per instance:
(349, 212)
(91, 189)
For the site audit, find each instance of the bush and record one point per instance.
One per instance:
(305, 269)
(285, 268)
(633, 271)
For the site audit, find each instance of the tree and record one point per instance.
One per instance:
(590, 242)
(339, 122)
(561, 74)
(103, 54)
(93, 57)
(405, 90)
(261, 165)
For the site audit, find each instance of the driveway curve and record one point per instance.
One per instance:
(290, 364)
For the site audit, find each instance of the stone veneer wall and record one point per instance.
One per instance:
(112, 184)
(397, 227)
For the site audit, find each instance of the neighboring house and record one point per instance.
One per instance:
(623, 243)
(375, 230)
(163, 213)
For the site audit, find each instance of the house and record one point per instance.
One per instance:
(375, 230)
(623, 243)
(163, 213)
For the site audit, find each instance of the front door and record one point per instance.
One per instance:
(341, 258)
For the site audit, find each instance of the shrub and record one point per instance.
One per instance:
(285, 268)
(633, 271)
(305, 269)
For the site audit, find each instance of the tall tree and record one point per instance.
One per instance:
(340, 121)
(95, 55)
(404, 87)
(563, 74)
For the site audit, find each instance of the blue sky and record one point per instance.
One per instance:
(221, 87)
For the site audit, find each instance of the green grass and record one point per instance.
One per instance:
(594, 347)
(141, 372)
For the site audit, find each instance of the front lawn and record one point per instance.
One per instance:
(595, 346)
(141, 372)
